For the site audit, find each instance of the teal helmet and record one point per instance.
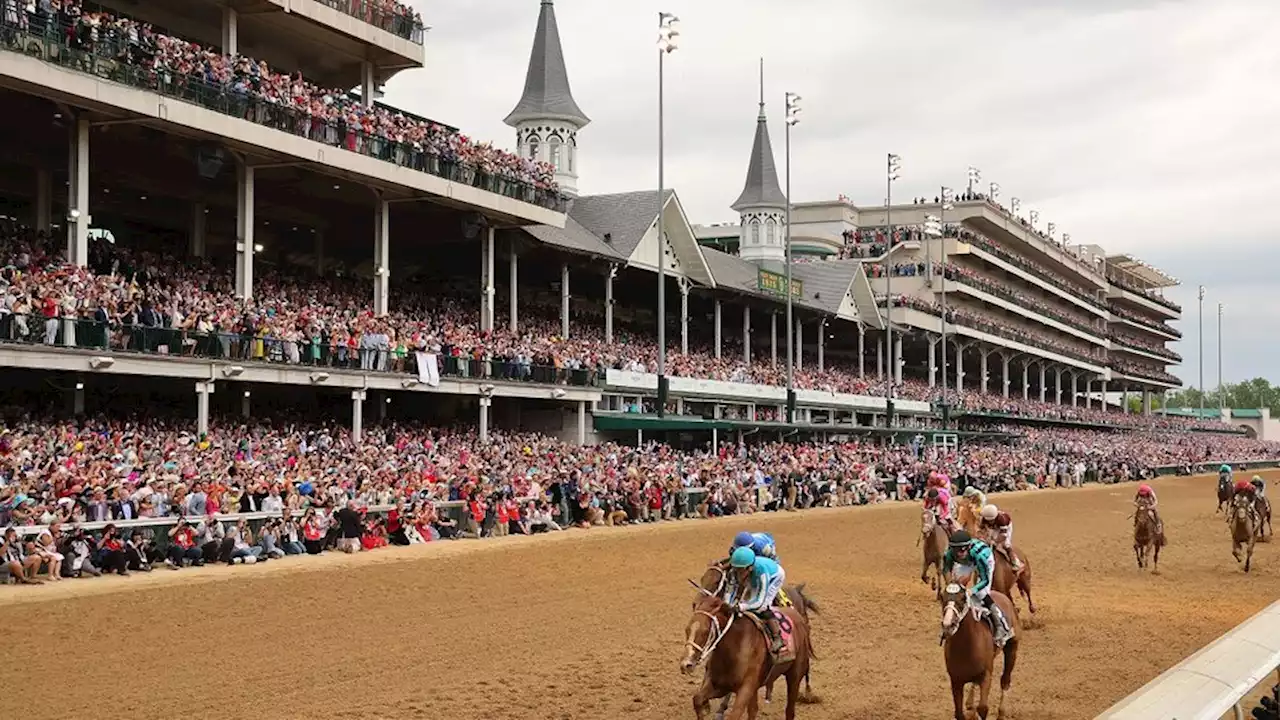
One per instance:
(1225, 468)
(742, 557)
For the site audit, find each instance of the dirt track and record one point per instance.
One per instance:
(589, 624)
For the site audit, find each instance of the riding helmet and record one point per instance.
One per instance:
(1257, 481)
(932, 494)
(742, 557)
(743, 539)
(1225, 468)
(990, 513)
(960, 539)
(1144, 489)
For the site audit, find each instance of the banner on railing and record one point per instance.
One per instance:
(428, 370)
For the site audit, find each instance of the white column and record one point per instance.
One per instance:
(77, 399)
(197, 243)
(244, 231)
(1146, 402)
(1026, 381)
(897, 359)
(822, 333)
(799, 344)
(1004, 363)
(1075, 390)
(203, 391)
(983, 353)
(1124, 401)
(608, 302)
(959, 369)
(80, 220)
(1057, 386)
(1043, 388)
(319, 252)
(357, 415)
(564, 301)
(746, 334)
(1088, 393)
(862, 350)
(230, 31)
(582, 422)
(489, 292)
(513, 280)
(44, 200)
(381, 257)
(1102, 402)
(933, 362)
(773, 338)
(484, 418)
(717, 331)
(880, 358)
(244, 404)
(684, 317)
(368, 87)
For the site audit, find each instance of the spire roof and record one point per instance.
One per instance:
(546, 86)
(761, 188)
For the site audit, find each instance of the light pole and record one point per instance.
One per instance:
(793, 117)
(1035, 218)
(1222, 393)
(1200, 295)
(894, 166)
(948, 197)
(668, 32)
(993, 192)
(975, 177)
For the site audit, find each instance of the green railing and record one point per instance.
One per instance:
(401, 21)
(109, 59)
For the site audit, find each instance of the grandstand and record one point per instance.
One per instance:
(228, 205)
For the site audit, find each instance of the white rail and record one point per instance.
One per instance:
(1212, 682)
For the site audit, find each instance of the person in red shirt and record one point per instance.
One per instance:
(112, 548)
(501, 528)
(182, 546)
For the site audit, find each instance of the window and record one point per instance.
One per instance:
(769, 228)
(555, 152)
(755, 232)
(533, 147)
(571, 152)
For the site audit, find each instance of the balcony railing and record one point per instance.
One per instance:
(109, 58)
(1153, 297)
(396, 18)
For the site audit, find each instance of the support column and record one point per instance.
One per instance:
(897, 359)
(368, 85)
(244, 231)
(382, 399)
(319, 252)
(44, 200)
(717, 321)
(746, 334)
(1075, 390)
(77, 398)
(582, 422)
(933, 361)
(983, 353)
(862, 351)
(1102, 402)
(799, 344)
(822, 335)
(1057, 386)
(1124, 401)
(608, 303)
(1146, 402)
(230, 31)
(959, 370)
(773, 338)
(880, 359)
(564, 301)
(203, 391)
(357, 415)
(196, 240)
(1088, 392)
(1026, 381)
(1043, 387)
(485, 403)
(684, 317)
(513, 292)
(382, 257)
(1004, 364)
(244, 404)
(79, 220)
(490, 295)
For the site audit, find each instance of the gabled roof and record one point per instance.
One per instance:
(546, 86)
(761, 188)
(626, 217)
(826, 282)
(573, 237)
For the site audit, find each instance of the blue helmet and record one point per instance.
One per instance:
(1225, 468)
(742, 557)
(743, 539)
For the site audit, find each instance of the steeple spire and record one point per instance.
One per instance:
(761, 88)
(546, 86)
(761, 189)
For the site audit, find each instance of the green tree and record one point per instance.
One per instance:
(1249, 394)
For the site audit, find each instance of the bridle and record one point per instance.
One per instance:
(714, 636)
(950, 605)
(724, 578)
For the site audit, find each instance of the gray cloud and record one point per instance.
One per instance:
(1144, 126)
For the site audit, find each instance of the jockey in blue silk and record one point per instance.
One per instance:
(1224, 474)
(754, 584)
(975, 555)
(760, 543)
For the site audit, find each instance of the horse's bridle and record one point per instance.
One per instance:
(713, 637)
(724, 578)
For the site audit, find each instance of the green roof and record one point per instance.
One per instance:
(1214, 413)
(1255, 413)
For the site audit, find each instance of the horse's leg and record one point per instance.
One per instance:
(957, 698)
(984, 694)
(1006, 674)
(1024, 587)
(702, 698)
(724, 706)
(1137, 553)
(969, 698)
(753, 707)
(793, 693)
(743, 697)
(1155, 565)
(1248, 558)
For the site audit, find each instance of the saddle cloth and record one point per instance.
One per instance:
(783, 623)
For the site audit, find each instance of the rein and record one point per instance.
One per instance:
(717, 631)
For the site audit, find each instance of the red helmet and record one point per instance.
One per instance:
(1243, 485)
(1144, 490)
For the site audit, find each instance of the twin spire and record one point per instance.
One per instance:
(761, 189)
(546, 86)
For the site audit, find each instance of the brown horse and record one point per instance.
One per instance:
(1240, 516)
(1005, 581)
(1262, 506)
(1147, 538)
(935, 546)
(968, 517)
(737, 657)
(1224, 493)
(968, 646)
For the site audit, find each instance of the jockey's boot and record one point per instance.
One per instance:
(1016, 562)
(777, 647)
(1001, 632)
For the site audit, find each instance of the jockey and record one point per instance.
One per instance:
(756, 584)
(967, 552)
(977, 499)
(1245, 488)
(1260, 487)
(999, 527)
(761, 543)
(1224, 474)
(1146, 500)
(938, 500)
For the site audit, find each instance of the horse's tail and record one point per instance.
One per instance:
(809, 604)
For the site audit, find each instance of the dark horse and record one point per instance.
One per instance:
(1224, 492)
(1147, 538)
(934, 539)
(969, 650)
(1006, 582)
(737, 656)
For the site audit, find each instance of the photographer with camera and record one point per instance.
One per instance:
(111, 557)
(182, 545)
(242, 549)
(269, 537)
(137, 552)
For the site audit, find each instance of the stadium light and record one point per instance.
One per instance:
(1053, 227)
(893, 172)
(668, 35)
(1035, 217)
(792, 104)
(1015, 204)
(993, 191)
(932, 226)
(1222, 396)
(1200, 297)
(948, 197)
(975, 176)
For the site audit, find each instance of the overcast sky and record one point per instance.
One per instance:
(1145, 126)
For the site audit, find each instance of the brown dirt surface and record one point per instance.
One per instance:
(589, 624)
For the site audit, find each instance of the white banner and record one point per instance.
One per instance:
(428, 370)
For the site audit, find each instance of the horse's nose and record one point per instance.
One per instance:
(686, 666)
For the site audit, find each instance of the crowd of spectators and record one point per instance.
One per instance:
(320, 491)
(975, 401)
(257, 92)
(1130, 340)
(395, 17)
(1144, 321)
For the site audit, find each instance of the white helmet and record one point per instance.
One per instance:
(990, 512)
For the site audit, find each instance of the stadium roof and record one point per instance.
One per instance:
(1149, 275)
(546, 86)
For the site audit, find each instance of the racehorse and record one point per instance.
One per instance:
(715, 581)
(1224, 492)
(968, 517)
(1005, 581)
(1243, 530)
(737, 657)
(1146, 538)
(935, 545)
(968, 646)
(1262, 506)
